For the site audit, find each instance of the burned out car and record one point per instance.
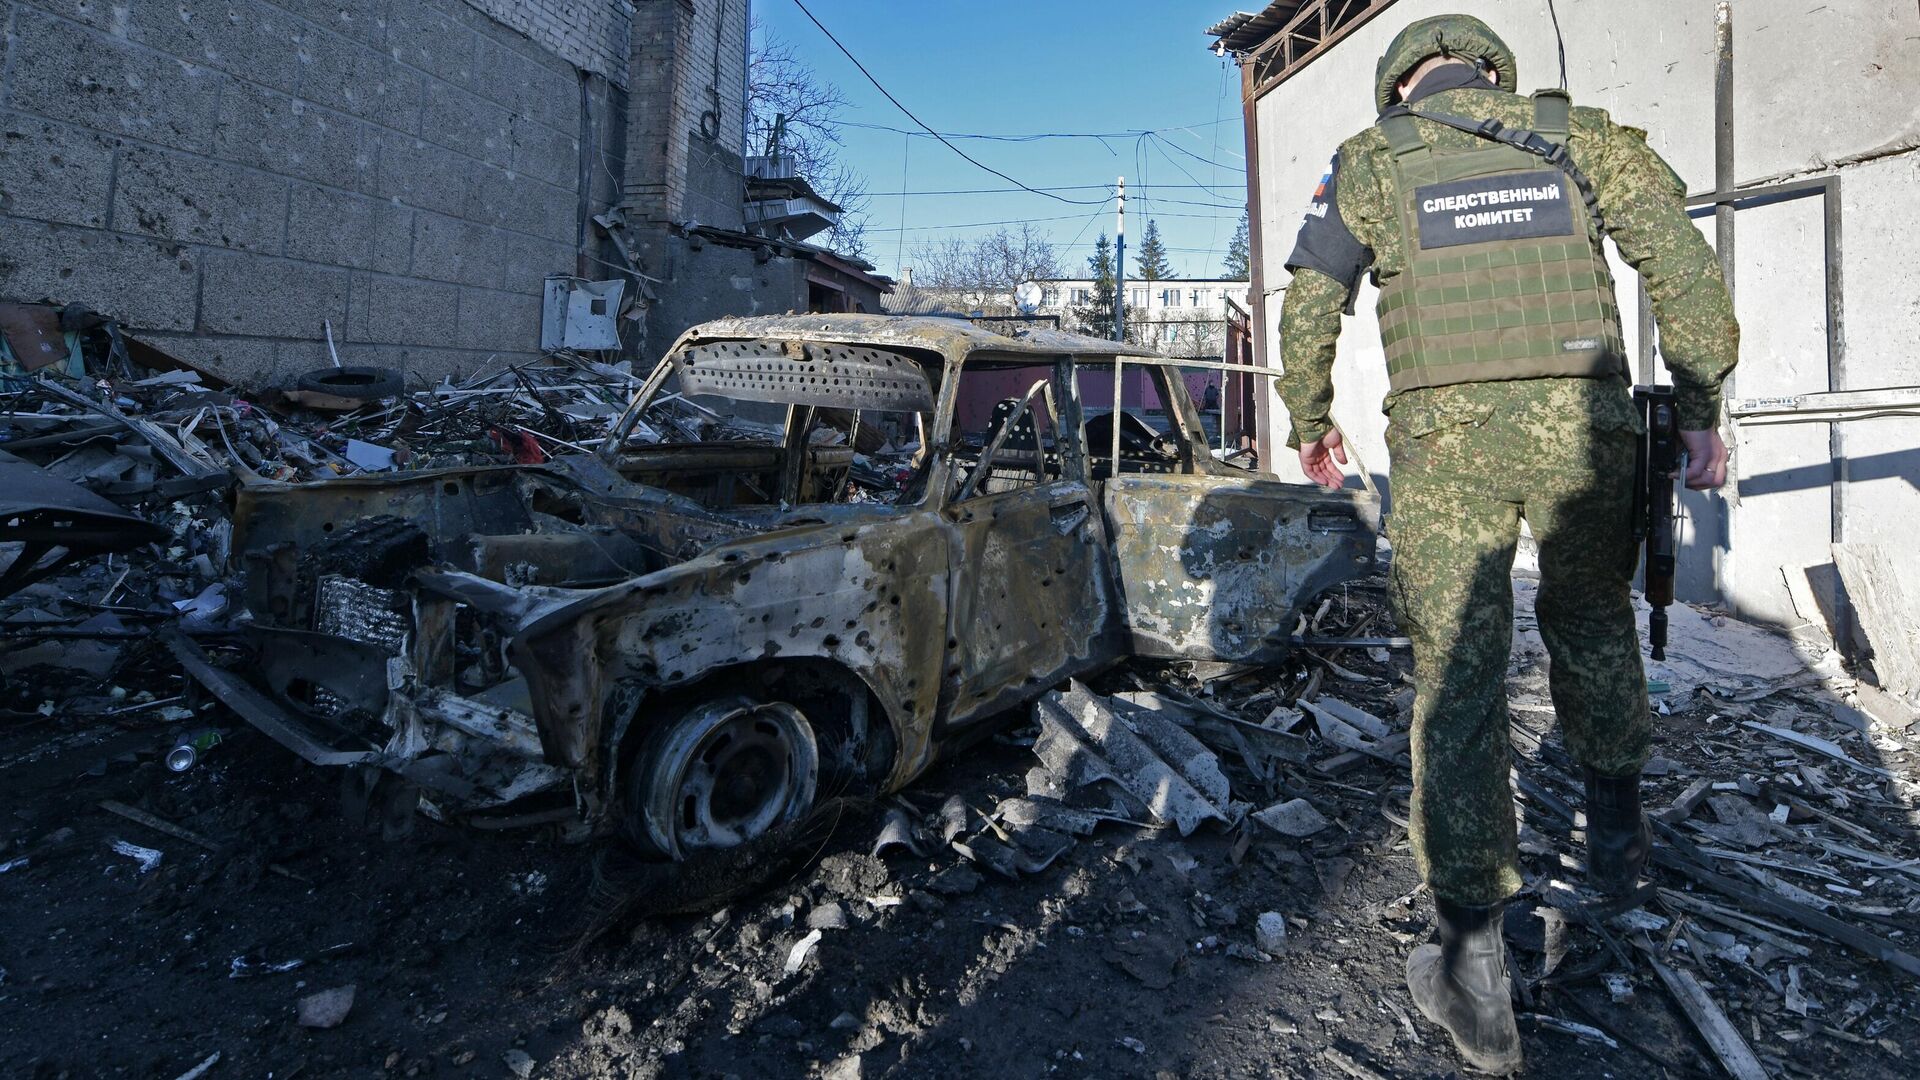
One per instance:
(693, 642)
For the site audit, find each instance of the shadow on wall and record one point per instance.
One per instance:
(1836, 609)
(1898, 465)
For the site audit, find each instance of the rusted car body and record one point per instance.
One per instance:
(694, 642)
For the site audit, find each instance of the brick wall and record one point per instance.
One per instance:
(225, 176)
(593, 35)
(683, 153)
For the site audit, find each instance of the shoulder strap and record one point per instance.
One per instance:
(1552, 114)
(1533, 142)
(1412, 154)
(1402, 135)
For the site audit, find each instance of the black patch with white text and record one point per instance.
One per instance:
(1325, 243)
(1512, 206)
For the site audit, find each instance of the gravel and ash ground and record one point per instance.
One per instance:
(1133, 955)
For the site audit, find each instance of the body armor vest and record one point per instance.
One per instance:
(1506, 277)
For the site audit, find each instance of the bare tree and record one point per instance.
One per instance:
(791, 110)
(981, 271)
(1189, 334)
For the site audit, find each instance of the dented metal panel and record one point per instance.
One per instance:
(870, 598)
(1216, 568)
(1032, 598)
(791, 373)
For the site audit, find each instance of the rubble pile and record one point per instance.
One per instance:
(129, 421)
(1213, 857)
(1786, 863)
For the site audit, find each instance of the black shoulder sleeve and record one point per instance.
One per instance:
(1325, 244)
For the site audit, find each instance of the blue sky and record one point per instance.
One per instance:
(1042, 66)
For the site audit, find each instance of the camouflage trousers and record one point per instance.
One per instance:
(1469, 463)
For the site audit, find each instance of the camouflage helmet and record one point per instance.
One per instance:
(1448, 35)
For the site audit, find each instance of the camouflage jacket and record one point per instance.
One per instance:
(1352, 228)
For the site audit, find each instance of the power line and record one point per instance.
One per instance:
(909, 113)
(983, 224)
(1031, 136)
(1055, 187)
(1197, 202)
(1197, 157)
(1169, 247)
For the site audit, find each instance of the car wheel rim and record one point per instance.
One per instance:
(727, 773)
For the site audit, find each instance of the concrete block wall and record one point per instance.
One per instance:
(1844, 108)
(710, 280)
(224, 177)
(683, 153)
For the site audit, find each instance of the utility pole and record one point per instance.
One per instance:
(1120, 266)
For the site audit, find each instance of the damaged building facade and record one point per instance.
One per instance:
(1802, 116)
(235, 182)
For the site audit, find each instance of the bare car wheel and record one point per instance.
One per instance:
(724, 773)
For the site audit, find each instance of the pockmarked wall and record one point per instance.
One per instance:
(229, 179)
(1819, 89)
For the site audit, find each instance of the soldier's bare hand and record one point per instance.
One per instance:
(1706, 459)
(1317, 460)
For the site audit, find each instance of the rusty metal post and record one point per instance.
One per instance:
(1257, 277)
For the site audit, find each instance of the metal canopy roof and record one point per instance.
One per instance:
(1243, 31)
(1290, 34)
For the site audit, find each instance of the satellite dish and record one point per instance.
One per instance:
(1026, 296)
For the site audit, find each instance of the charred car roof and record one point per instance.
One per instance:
(955, 339)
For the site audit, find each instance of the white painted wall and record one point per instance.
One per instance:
(1818, 88)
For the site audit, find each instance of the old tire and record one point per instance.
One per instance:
(724, 773)
(354, 383)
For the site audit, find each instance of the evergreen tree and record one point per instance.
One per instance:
(1238, 265)
(1096, 316)
(1153, 256)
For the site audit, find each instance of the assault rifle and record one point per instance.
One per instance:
(1656, 464)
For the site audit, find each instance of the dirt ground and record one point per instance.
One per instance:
(1131, 956)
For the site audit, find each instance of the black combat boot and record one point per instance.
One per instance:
(1461, 984)
(1618, 838)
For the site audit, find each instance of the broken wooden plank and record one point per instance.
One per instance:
(1341, 763)
(1752, 925)
(1547, 800)
(1909, 867)
(1679, 853)
(1707, 1019)
(1683, 807)
(1817, 745)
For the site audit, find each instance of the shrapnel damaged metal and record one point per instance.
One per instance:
(563, 620)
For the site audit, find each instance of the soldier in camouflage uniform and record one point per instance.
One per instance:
(1508, 400)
